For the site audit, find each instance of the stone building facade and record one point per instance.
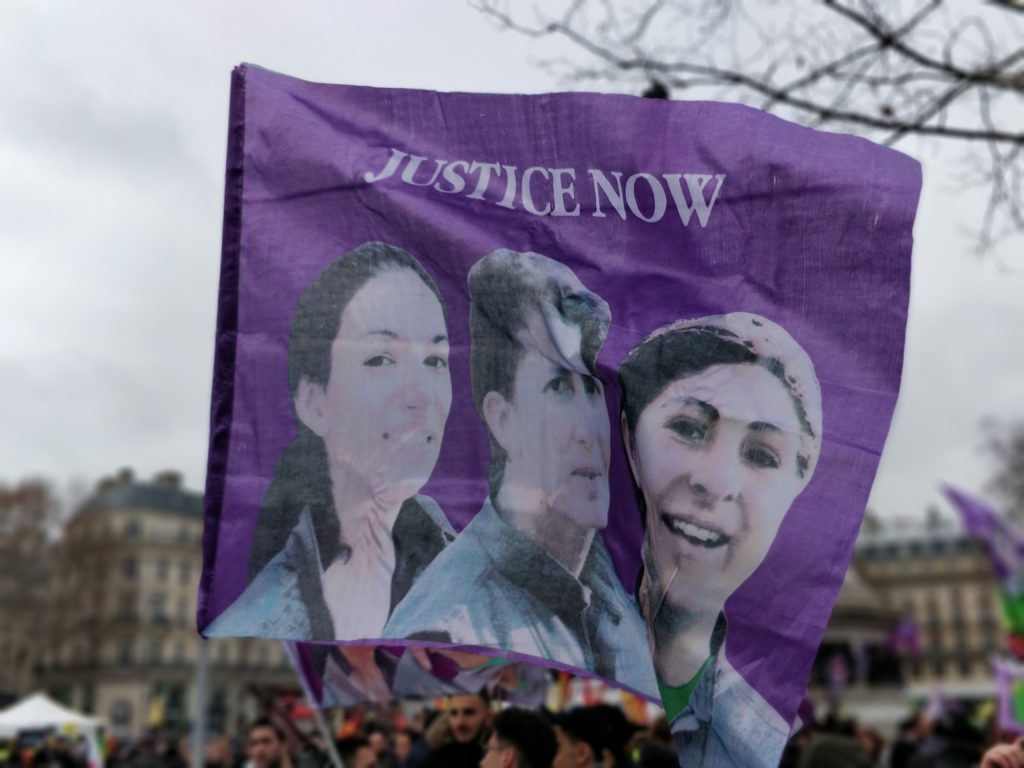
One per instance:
(120, 638)
(25, 515)
(934, 574)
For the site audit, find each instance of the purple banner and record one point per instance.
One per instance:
(347, 675)
(1003, 541)
(557, 378)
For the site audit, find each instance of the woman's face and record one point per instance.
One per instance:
(715, 456)
(389, 391)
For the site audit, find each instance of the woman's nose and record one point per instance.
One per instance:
(415, 393)
(715, 474)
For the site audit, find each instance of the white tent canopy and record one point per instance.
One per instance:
(38, 710)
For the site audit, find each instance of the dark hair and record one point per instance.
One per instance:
(266, 722)
(675, 354)
(587, 725)
(620, 730)
(301, 479)
(348, 747)
(317, 318)
(530, 735)
(505, 289)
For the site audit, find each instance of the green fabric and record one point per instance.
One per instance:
(1013, 611)
(1017, 701)
(675, 699)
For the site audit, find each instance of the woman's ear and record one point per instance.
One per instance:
(311, 406)
(496, 415)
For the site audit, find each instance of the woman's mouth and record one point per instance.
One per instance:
(696, 534)
(587, 473)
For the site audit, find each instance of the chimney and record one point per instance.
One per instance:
(169, 479)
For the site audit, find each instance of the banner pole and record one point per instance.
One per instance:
(202, 683)
(318, 715)
(332, 748)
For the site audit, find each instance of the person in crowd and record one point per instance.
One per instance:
(521, 738)
(722, 423)
(267, 746)
(404, 741)
(1004, 756)
(583, 735)
(619, 732)
(217, 753)
(530, 573)
(54, 753)
(380, 743)
(343, 531)
(356, 752)
(456, 738)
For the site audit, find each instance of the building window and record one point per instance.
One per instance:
(124, 654)
(162, 569)
(158, 607)
(89, 697)
(184, 573)
(121, 713)
(129, 568)
(126, 611)
(133, 530)
(155, 652)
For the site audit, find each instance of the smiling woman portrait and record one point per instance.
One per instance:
(343, 532)
(722, 422)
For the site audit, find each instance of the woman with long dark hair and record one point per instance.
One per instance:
(343, 531)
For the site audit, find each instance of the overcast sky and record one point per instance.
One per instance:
(112, 139)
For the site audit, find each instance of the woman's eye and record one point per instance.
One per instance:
(378, 360)
(761, 456)
(690, 430)
(435, 361)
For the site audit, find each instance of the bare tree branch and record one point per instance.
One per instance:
(887, 70)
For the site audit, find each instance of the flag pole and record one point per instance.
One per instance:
(202, 683)
(318, 715)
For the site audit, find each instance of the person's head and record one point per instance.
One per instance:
(468, 715)
(619, 731)
(722, 423)
(520, 738)
(266, 746)
(368, 369)
(377, 738)
(404, 740)
(582, 735)
(535, 335)
(356, 752)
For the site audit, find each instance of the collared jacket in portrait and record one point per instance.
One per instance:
(286, 601)
(727, 724)
(495, 587)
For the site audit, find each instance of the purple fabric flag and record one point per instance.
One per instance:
(587, 380)
(1003, 541)
(347, 675)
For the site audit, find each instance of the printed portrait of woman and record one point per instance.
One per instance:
(722, 421)
(343, 531)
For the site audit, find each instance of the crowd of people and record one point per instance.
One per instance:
(470, 731)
